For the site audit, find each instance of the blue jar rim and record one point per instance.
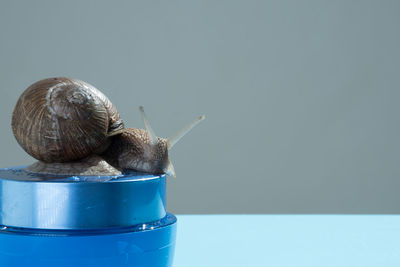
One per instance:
(18, 173)
(169, 219)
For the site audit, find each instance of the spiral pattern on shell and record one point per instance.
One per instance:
(63, 119)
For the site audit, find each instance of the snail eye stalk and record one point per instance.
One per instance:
(171, 141)
(176, 137)
(152, 136)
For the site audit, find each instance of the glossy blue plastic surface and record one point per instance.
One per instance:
(148, 245)
(80, 202)
(84, 221)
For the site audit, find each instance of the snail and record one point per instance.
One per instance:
(72, 128)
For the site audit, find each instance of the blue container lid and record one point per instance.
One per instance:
(80, 202)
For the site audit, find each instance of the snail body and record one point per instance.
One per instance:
(72, 128)
(132, 149)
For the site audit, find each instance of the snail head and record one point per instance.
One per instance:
(142, 150)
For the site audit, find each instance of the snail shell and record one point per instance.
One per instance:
(63, 119)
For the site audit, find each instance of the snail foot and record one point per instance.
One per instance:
(93, 165)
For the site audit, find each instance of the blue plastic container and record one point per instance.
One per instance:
(84, 221)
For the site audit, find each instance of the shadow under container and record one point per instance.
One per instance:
(84, 221)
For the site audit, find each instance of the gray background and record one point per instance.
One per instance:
(301, 97)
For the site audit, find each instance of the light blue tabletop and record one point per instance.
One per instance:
(288, 240)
